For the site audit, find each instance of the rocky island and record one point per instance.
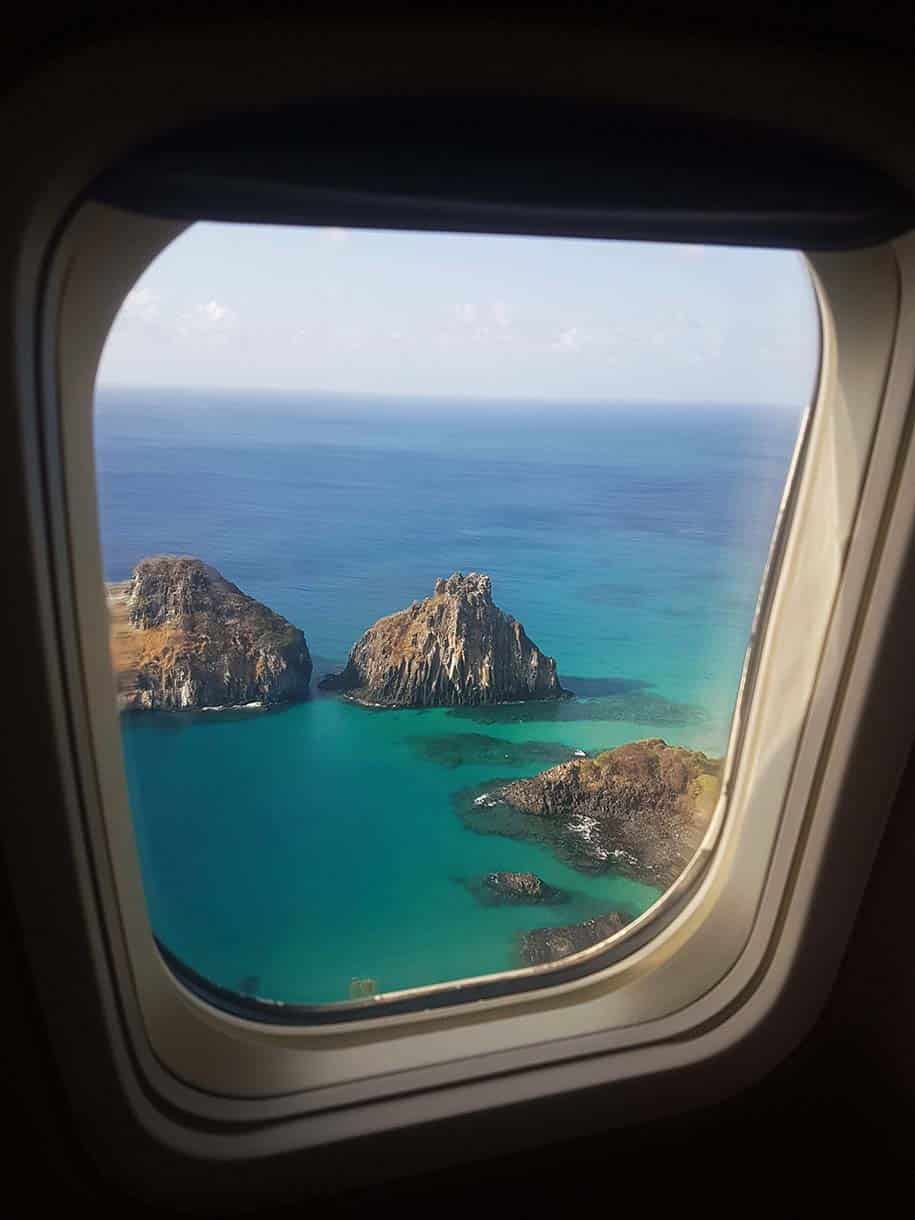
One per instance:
(641, 809)
(453, 648)
(182, 636)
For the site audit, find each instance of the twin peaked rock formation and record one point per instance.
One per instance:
(183, 637)
(455, 647)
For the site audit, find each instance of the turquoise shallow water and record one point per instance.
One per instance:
(287, 852)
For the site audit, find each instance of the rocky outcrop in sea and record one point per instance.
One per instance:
(454, 648)
(642, 807)
(515, 889)
(182, 636)
(544, 945)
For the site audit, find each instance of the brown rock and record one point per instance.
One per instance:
(521, 887)
(551, 944)
(182, 636)
(456, 647)
(641, 808)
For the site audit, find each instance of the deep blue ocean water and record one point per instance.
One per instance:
(287, 852)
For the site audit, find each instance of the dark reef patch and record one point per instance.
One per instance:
(625, 597)
(513, 889)
(589, 688)
(635, 706)
(477, 749)
(482, 810)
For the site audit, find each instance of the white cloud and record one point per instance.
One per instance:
(500, 313)
(141, 305)
(209, 318)
(214, 314)
(496, 312)
(568, 340)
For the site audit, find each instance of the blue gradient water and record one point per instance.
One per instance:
(290, 851)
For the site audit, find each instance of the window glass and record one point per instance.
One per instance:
(431, 564)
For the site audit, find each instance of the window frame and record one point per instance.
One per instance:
(866, 649)
(177, 1033)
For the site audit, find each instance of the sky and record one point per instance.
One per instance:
(467, 316)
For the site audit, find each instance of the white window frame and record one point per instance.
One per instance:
(637, 1010)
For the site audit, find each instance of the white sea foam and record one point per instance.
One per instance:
(584, 827)
(231, 707)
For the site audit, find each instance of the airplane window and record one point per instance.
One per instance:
(431, 562)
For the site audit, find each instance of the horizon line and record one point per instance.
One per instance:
(457, 397)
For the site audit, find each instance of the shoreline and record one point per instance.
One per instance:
(427, 707)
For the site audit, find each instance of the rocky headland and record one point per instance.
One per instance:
(182, 636)
(641, 809)
(551, 944)
(455, 648)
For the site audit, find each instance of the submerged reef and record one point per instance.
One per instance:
(480, 749)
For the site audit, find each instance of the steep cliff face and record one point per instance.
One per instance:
(641, 808)
(455, 647)
(182, 636)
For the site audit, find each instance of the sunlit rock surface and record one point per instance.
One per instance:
(182, 636)
(641, 808)
(454, 648)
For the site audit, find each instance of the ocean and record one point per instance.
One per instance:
(286, 853)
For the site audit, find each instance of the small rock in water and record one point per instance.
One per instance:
(521, 887)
